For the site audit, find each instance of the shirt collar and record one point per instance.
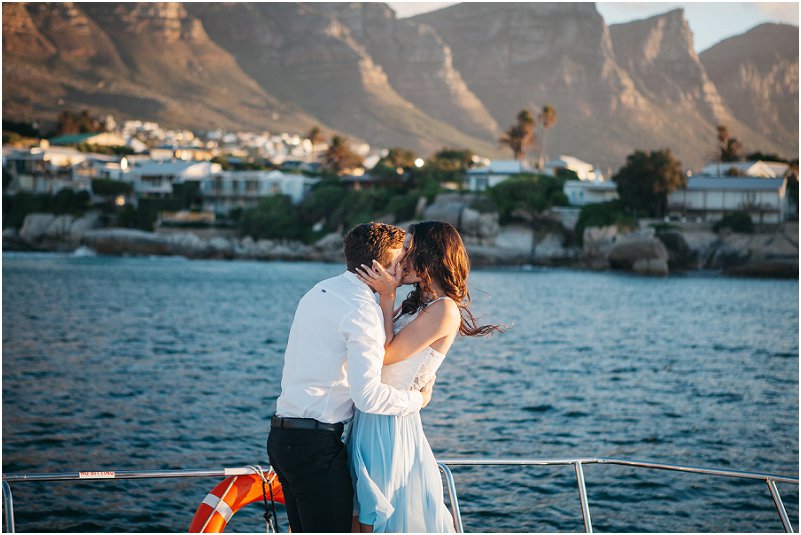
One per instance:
(352, 278)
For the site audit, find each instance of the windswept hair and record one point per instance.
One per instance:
(437, 253)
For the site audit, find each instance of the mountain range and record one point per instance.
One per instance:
(456, 77)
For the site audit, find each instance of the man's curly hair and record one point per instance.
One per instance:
(369, 241)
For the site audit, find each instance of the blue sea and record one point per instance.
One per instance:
(114, 363)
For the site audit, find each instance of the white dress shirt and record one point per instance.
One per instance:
(334, 356)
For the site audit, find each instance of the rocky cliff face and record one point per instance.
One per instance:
(515, 55)
(455, 77)
(659, 56)
(418, 64)
(757, 75)
(326, 64)
(635, 85)
(149, 61)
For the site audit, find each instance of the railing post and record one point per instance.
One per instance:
(8, 508)
(457, 514)
(777, 499)
(585, 507)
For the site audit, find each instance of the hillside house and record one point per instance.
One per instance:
(483, 178)
(178, 152)
(756, 168)
(584, 171)
(226, 190)
(45, 169)
(153, 178)
(104, 139)
(710, 198)
(583, 192)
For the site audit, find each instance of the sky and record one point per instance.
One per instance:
(710, 22)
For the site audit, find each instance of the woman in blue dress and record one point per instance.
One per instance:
(398, 487)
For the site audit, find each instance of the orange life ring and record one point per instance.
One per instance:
(228, 497)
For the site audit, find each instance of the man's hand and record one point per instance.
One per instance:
(427, 390)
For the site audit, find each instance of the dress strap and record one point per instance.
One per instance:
(438, 299)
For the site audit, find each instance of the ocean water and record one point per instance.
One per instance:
(163, 363)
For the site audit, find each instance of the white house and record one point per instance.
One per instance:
(710, 198)
(243, 189)
(751, 168)
(155, 178)
(106, 139)
(582, 192)
(186, 152)
(45, 169)
(482, 178)
(584, 170)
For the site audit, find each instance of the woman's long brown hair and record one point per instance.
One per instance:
(437, 253)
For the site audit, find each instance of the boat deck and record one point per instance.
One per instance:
(770, 480)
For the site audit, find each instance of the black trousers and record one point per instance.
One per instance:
(312, 467)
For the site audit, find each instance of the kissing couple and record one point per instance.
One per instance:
(352, 359)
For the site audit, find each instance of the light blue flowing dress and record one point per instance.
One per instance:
(398, 487)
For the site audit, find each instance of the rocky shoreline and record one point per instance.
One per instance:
(642, 251)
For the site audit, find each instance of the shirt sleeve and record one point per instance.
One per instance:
(364, 336)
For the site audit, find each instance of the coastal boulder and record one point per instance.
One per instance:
(702, 244)
(187, 244)
(220, 247)
(680, 256)
(35, 226)
(83, 224)
(651, 266)
(625, 255)
(120, 241)
(517, 238)
(329, 248)
(329, 242)
(456, 209)
(758, 255)
(13, 242)
(551, 250)
(59, 228)
(597, 242)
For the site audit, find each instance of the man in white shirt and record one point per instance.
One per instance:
(332, 362)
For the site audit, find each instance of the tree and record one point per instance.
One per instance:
(646, 180)
(526, 196)
(394, 167)
(447, 165)
(80, 123)
(273, 218)
(315, 135)
(398, 158)
(340, 156)
(729, 148)
(520, 136)
(547, 120)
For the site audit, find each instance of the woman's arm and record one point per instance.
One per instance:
(437, 321)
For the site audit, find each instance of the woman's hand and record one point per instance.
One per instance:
(379, 279)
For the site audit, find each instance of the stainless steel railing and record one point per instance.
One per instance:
(444, 465)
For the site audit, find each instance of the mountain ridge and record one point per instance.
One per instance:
(453, 77)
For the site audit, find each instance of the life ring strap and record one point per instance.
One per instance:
(219, 506)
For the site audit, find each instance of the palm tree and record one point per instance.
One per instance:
(732, 151)
(315, 135)
(340, 156)
(547, 120)
(520, 136)
(729, 148)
